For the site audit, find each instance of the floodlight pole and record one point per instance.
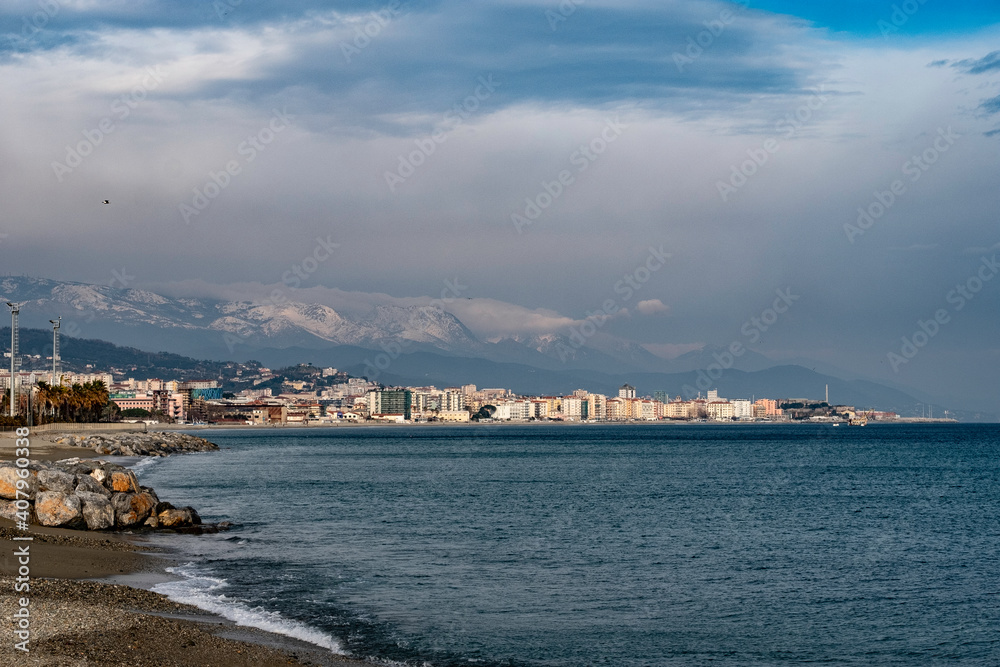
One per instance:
(15, 308)
(55, 349)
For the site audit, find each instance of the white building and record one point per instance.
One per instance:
(572, 407)
(513, 410)
(742, 408)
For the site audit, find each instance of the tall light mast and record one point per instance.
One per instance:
(55, 349)
(15, 361)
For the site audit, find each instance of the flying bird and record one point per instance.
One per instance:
(107, 201)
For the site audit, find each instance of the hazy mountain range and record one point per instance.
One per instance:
(415, 345)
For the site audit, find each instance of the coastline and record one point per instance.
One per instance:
(90, 603)
(553, 423)
(79, 615)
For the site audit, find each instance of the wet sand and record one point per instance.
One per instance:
(42, 448)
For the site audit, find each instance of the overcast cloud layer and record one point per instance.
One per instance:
(536, 153)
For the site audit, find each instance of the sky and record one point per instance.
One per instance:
(670, 169)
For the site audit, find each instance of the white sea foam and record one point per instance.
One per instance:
(140, 466)
(201, 590)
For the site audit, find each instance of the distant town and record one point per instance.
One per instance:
(307, 395)
(247, 393)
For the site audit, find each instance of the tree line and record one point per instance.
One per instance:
(79, 403)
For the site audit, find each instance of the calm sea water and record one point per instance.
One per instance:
(604, 545)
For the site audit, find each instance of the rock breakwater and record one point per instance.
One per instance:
(90, 494)
(161, 443)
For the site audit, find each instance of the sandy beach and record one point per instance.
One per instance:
(78, 617)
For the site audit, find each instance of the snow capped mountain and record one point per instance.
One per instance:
(269, 320)
(210, 328)
(421, 324)
(136, 316)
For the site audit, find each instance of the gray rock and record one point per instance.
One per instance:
(8, 510)
(195, 519)
(88, 484)
(55, 480)
(96, 510)
(162, 507)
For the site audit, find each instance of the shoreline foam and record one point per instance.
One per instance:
(82, 613)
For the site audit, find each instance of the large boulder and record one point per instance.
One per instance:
(162, 507)
(8, 510)
(78, 467)
(55, 480)
(8, 484)
(57, 509)
(89, 484)
(195, 517)
(175, 518)
(131, 508)
(96, 510)
(124, 482)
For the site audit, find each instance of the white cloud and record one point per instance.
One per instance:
(651, 307)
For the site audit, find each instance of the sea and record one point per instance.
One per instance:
(583, 544)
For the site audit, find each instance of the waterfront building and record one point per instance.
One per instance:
(596, 406)
(573, 407)
(742, 408)
(768, 408)
(719, 410)
(617, 409)
(391, 402)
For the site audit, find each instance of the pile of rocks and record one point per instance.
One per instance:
(138, 444)
(90, 495)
